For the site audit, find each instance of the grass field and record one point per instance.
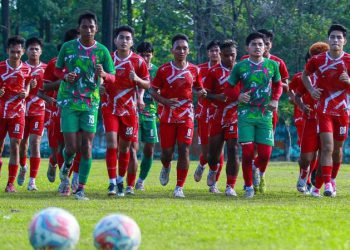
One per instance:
(280, 219)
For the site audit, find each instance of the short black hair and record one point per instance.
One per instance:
(213, 43)
(337, 27)
(124, 28)
(254, 35)
(87, 15)
(268, 33)
(34, 40)
(14, 40)
(70, 34)
(145, 47)
(179, 37)
(228, 43)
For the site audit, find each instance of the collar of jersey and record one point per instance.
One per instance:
(32, 66)
(125, 59)
(86, 48)
(9, 66)
(172, 65)
(329, 57)
(263, 59)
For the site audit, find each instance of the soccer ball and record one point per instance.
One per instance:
(54, 228)
(117, 232)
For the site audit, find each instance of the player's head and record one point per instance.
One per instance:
(318, 48)
(15, 47)
(213, 50)
(87, 26)
(145, 50)
(180, 48)
(34, 48)
(124, 37)
(255, 44)
(70, 34)
(337, 37)
(268, 39)
(228, 53)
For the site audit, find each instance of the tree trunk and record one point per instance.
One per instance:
(129, 12)
(119, 10)
(107, 23)
(5, 14)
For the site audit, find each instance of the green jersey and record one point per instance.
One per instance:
(150, 109)
(257, 79)
(83, 94)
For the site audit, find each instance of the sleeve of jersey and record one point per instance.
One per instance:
(208, 82)
(310, 66)
(157, 81)
(232, 92)
(283, 71)
(277, 87)
(144, 73)
(234, 76)
(293, 84)
(108, 64)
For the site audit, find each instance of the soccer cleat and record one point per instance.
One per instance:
(80, 195)
(129, 190)
(10, 188)
(120, 189)
(22, 175)
(301, 185)
(32, 187)
(249, 192)
(256, 179)
(315, 192)
(164, 176)
(328, 190)
(64, 171)
(214, 189)
(309, 187)
(51, 173)
(75, 183)
(198, 173)
(178, 192)
(262, 184)
(211, 178)
(334, 185)
(139, 186)
(230, 191)
(112, 189)
(64, 188)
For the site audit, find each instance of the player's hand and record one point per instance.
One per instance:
(344, 77)
(70, 77)
(221, 97)
(102, 90)
(285, 87)
(273, 105)
(134, 77)
(22, 94)
(141, 104)
(244, 97)
(202, 93)
(99, 71)
(316, 93)
(306, 109)
(51, 100)
(33, 83)
(2, 91)
(173, 102)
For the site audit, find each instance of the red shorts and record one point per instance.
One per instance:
(300, 127)
(34, 125)
(55, 136)
(14, 126)
(203, 132)
(125, 126)
(230, 131)
(310, 141)
(338, 125)
(172, 132)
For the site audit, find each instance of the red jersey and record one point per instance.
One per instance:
(203, 109)
(35, 105)
(175, 83)
(13, 81)
(216, 82)
(294, 85)
(333, 100)
(121, 95)
(307, 98)
(49, 77)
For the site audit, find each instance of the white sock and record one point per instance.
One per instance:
(113, 181)
(120, 179)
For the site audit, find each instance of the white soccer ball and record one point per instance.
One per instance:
(117, 232)
(54, 228)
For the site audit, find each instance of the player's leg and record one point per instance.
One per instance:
(132, 168)
(75, 165)
(23, 149)
(326, 160)
(167, 141)
(216, 144)
(203, 138)
(232, 165)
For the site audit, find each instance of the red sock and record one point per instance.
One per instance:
(123, 163)
(264, 154)
(23, 161)
(181, 176)
(75, 165)
(326, 173)
(231, 181)
(60, 159)
(318, 181)
(12, 173)
(219, 171)
(247, 158)
(34, 166)
(130, 179)
(303, 173)
(335, 170)
(313, 165)
(202, 161)
(111, 161)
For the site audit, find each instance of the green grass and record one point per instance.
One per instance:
(280, 219)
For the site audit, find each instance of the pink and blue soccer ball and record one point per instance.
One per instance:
(117, 232)
(54, 228)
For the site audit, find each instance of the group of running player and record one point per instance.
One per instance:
(237, 104)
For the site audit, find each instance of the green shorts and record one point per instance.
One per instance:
(148, 129)
(258, 130)
(75, 120)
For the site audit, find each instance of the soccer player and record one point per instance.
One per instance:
(120, 115)
(223, 126)
(147, 118)
(34, 115)
(82, 64)
(14, 88)
(261, 89)
(172, 89)
(332, 86)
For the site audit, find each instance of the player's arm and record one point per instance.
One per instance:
(49, 86)
(140, 102)
(209, 84)
(310, 68)
(198, 85)
(60, 71)
(2, 89)
(156, 86)
(277, 89)
(106, 70)
(46, 98)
